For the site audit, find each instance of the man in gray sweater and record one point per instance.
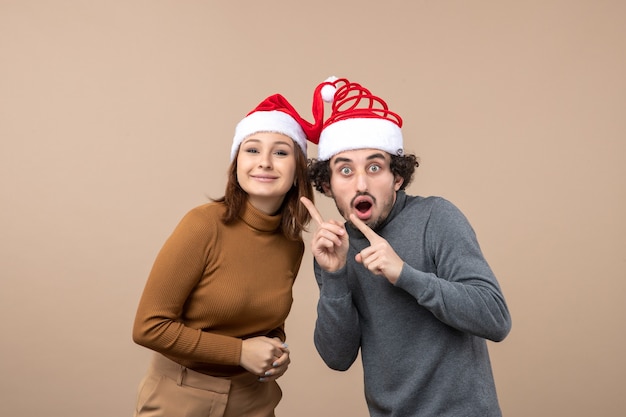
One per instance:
(405, 282)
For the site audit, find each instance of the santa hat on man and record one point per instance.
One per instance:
(358, 120)
(276, 114)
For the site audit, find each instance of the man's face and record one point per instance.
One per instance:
(361, 182)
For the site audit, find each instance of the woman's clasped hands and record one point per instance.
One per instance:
(268, 358)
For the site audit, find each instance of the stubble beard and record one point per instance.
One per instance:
(373, 223)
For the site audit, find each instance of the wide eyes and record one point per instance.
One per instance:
(374, 168)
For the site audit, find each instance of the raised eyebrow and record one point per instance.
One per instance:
(341, 160)
(376, 156)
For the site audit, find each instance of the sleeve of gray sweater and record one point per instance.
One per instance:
(337, 334)
(462, 292)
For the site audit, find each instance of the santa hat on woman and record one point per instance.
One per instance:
(276, 114)
(358, 120)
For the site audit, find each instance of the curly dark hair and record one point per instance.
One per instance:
(402, 165)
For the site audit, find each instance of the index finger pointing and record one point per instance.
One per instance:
(315, 214)
(365, 229)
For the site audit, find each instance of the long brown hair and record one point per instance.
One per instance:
(295, 216)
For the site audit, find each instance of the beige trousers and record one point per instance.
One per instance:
(171, 390)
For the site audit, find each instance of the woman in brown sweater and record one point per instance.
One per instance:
(215, 303)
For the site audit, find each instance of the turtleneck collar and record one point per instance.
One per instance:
(260, 221)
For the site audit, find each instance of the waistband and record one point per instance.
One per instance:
(191, 378)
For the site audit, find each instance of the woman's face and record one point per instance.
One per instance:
(266, 166)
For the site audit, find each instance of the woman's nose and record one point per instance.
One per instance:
(265, 161)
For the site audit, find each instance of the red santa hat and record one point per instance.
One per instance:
(358, 120)
(276, 114)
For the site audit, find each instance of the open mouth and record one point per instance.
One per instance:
(363, 205)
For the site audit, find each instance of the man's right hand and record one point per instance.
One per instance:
(329, 244)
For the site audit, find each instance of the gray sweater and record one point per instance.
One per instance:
(422, 341)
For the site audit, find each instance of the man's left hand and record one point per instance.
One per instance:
(379, 258)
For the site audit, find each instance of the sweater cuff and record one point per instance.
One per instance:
(335, 284)
(413, 281)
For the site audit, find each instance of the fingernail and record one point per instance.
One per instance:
(285, 345)
(275, 364)
(261, 379)
(268, 373)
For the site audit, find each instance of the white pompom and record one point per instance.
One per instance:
(328, 93)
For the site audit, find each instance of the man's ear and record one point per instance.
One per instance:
(327, 191)
(397, 182)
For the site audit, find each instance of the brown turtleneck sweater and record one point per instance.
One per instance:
(213, 285)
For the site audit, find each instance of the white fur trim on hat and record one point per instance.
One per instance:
(360, 133)
(268, 121)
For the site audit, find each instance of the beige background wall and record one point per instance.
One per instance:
(116, 118)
